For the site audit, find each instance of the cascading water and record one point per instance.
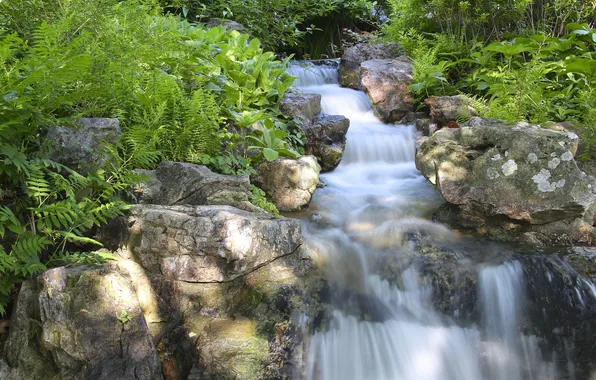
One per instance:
(389, 329)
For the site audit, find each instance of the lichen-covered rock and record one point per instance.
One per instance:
(208, 243)
(583, 260)
(82, 146)
(228, 24)
(426, 126)
(349, 67)
(326, 139)
(444, 109)
(290, 182)
(523, 178)
(305, 106)
(180, 183)
(80, 323)
(386, 82)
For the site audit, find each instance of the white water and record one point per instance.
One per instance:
(372, 202)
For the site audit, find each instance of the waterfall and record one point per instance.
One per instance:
(372, 203)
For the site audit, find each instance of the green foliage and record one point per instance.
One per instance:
(535, 79)
(124, 317)
(45, 208)
(229, 164)
(259, 199)
(269, 142)
(281, 25)
(472, 20)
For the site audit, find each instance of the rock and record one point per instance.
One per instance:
(560, 305)
(82, 147)
(208, 243)
(520, 178)
(349, 67)
(305, 106)
(180, 183)
(325, 134)
(80, 323)
(583, 260)
(584, 155)
(444, 109)
(326, 139)
(290, 183)
(386, 82)
(237, 341)
(426, 126)
(447, 271)
(228, 24)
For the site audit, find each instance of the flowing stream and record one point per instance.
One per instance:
(385, 326)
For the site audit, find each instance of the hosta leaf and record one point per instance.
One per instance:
(270, 154)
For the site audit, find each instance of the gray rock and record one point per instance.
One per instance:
(349, 67)
(228, 24)
(386, 81)
(426, 126)
(66, 325)
(552, 286)
(444, 109)
(583, 260)
(208, 243)
(290, 183)
(179, 183)
(82, 147)
(305, 106)
(326, 140)
(523, 177)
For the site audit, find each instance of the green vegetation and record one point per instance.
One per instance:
(259, 199)
(181, 92)
(304, 27)
(520, 60)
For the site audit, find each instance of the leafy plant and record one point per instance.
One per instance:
(124, 318)
(229, 164)
(269, 142)
(259, 199)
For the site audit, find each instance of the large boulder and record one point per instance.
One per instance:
(180, 183)
(349, 67)
(199, 292)
(208, 243)
(387, 82)
(444, 109)
(82, 146)
(80, 323)
(326, 139)
(521, 177)
(290, 182)
(305, 106)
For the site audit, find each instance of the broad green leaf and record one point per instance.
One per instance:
(270, 154)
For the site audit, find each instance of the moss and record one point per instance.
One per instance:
(235, 344)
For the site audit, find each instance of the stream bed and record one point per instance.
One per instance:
(409, 298)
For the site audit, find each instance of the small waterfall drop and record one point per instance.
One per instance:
(388, 329)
